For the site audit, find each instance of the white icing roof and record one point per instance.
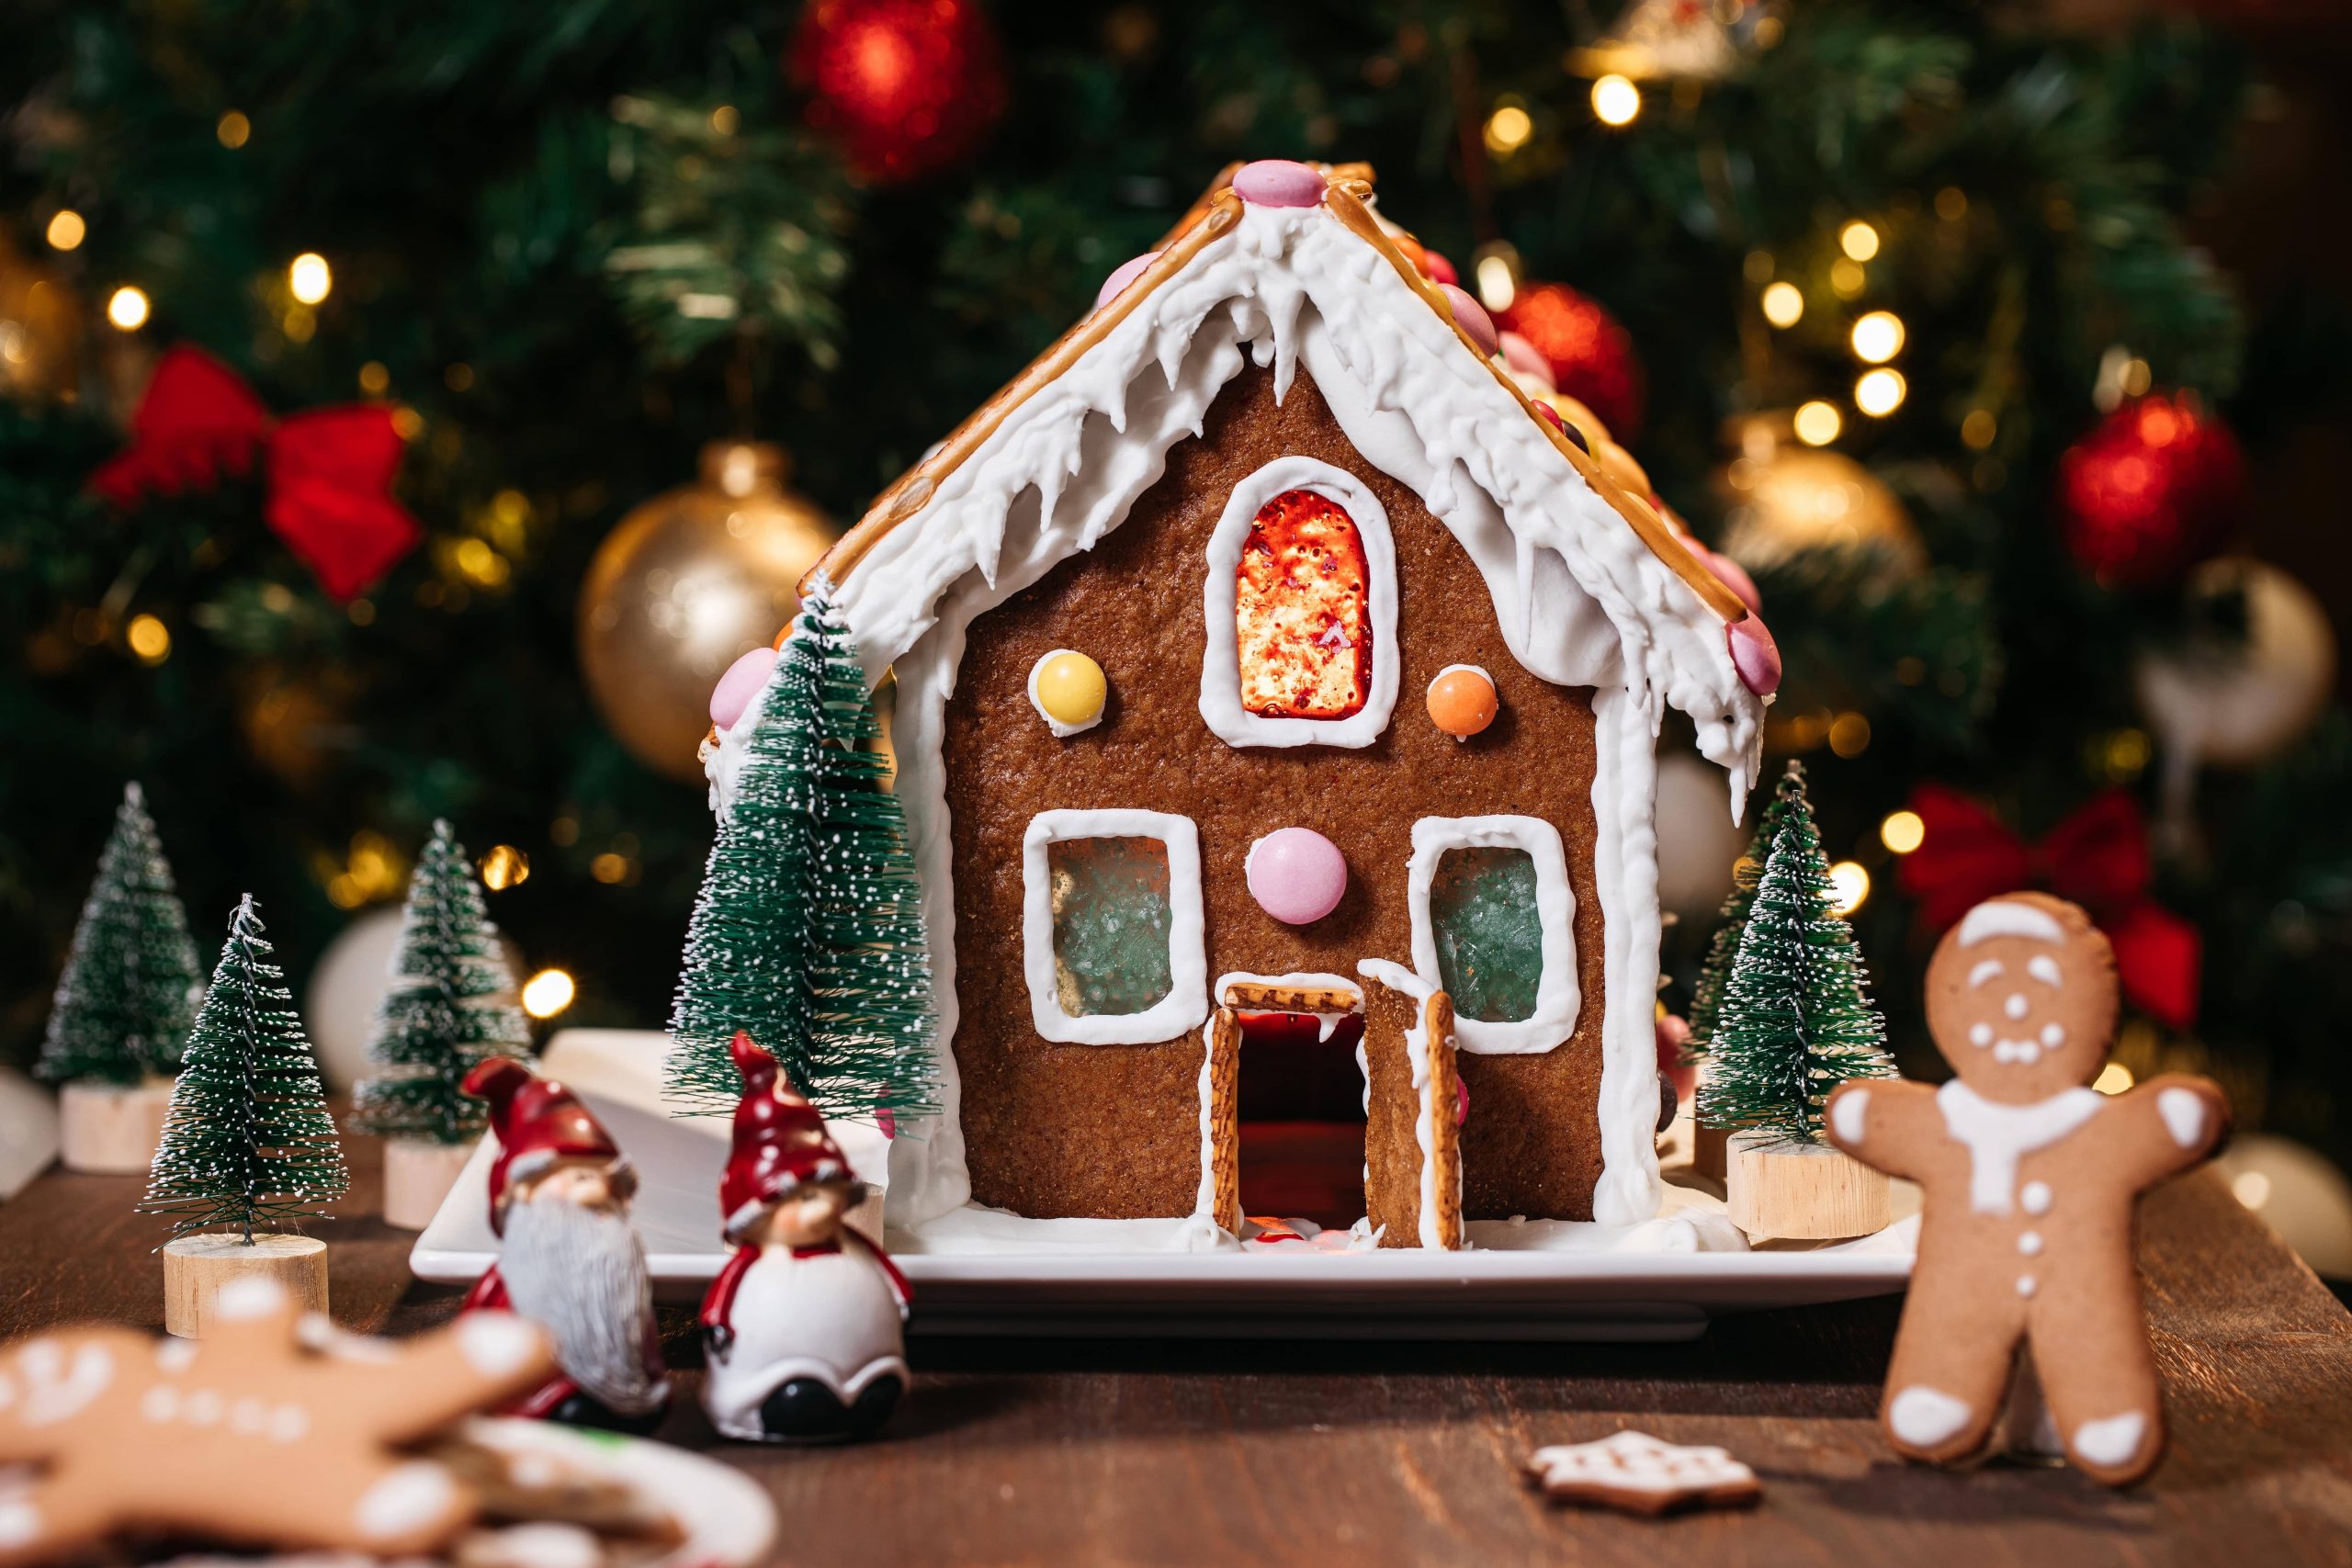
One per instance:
(1581, 598)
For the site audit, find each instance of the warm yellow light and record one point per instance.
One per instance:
(1858, 240)
(1847, 277)
(2251, 1188)
(1508, 129)
(1818, 423)
(547, 993)
(127, 309)
(2113, 1078)
(1903, 832)
(149, 638)
(1849, 735)
(725, 119)
(1978, 429)
(374, 380)
(1498, 287)
(1616, 101)
(610, 868)
(1848, 886)
(1878, 337)
(310, 277)
(66, 229)
(1784, 304)
(505, 866)
(1951, 204)
(234, 129)
(1880, 392)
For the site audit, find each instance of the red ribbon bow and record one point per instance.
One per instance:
(2097, 857)
(329, 471)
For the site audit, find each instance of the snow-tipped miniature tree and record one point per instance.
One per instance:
(132, 977)
(248, 1141)
(808, 932)
(1707, 993)
(1797, 1018)
(451, 1004)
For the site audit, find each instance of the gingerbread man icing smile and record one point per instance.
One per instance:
(2030, 1181)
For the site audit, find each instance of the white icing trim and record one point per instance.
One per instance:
(1061, 731)
(1998, 1135)
(1221, 707)
(1187, 1002)
(2002, 917)
(1557, 993)
(2184, 1115)
(1625, 722)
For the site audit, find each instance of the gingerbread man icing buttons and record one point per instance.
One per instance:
(2030, 1183)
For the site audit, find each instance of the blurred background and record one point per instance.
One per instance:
(515, 359)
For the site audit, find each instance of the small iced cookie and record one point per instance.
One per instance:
(1636, 1473)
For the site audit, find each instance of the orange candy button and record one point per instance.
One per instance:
(1462, 700)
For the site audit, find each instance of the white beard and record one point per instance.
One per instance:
(579, 1274)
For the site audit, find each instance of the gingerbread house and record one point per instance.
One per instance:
(1274, 485)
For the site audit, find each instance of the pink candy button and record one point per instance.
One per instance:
(739, 685)
(1522, 357)
(1296, 875)
(1278, 182)
(1436, 268)
(1118, 282)
(1471, 317)
(1755, 655)
(1734, 577)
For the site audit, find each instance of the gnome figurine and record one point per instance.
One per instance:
(569, 1259)
(802, 1326)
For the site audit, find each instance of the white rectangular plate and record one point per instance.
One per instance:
(1487, 1292)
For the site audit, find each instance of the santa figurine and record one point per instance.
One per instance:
(569, 1258)
(803, 1325)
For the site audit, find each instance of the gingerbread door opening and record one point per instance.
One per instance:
(1285, 1101)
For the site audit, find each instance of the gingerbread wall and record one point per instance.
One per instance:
(1053, 1129)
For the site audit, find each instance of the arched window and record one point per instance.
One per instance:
(1301, 611)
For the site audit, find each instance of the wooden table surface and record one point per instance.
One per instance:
(1232, 1453)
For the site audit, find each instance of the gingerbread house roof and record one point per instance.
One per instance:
(1591, 585)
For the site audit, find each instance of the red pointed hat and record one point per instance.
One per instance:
(780, 1143)
(538, 1122)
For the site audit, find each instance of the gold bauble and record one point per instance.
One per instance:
(1782, 498)
(685, 585)
(41, 330)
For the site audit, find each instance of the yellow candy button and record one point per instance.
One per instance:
(1068, 689)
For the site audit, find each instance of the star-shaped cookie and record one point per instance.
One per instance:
(276, 1429)
(1642, 1474)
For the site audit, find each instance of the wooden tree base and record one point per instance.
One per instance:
(1709, 1152)
(110, 1129)
(197, 1267)
(1786, 1191)
(417, 1176)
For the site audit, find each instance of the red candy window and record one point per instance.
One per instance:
(1302, 611)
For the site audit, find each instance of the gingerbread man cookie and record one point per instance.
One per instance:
(276, 1429)
(2031, 1179)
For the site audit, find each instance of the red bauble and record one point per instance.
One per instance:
(1590, 354)
(908, 87)
(2144, 496)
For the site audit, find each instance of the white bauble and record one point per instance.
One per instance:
(2299, 1194)
(352, 974)
(1698, 843)
(28, 1131)
(2240, 706)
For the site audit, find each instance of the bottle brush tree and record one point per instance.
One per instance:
(131, 979)
(247, 1142)
(1795, 1019)
(450, 1004)
(808, 932)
